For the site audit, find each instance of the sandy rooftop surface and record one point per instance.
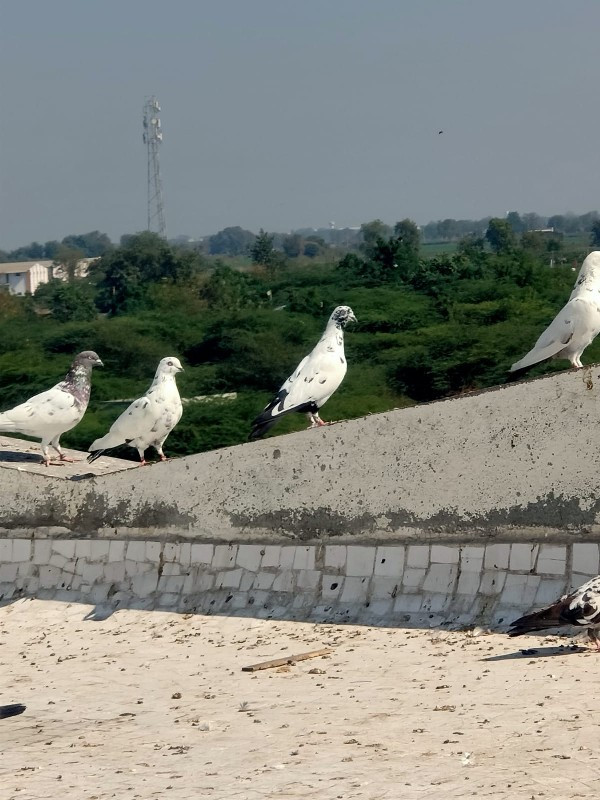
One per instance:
(148, 704)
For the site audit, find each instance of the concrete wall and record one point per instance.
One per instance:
(417, 584)
(512, 467)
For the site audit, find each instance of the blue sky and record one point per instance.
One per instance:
(282, 114)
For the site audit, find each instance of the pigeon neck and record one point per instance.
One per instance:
(334, 328)
(163, 377)
(78, 382)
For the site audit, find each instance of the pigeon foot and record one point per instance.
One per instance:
(70, 460)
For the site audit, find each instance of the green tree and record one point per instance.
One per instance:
(228, 289)
(371, 232)
(408, 231)
(67, 302)
(595, 234)
(91, 244)
(500, 236)
(292, 245)
(66, 262)
(261, 251)
(123, 274)
(232, 241)
(513, 218)
(471, 246)
(312, 249)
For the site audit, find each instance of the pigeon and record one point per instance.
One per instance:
(149, 420)
(48, 415)
(11, 710)
(581, 607)
(315, 379)
(576, 325)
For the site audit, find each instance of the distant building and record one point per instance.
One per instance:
(24, 277)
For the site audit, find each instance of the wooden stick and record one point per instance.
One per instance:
(280, 662)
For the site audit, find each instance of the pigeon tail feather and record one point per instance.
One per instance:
(552, 617)
(266, 420)
(536, 355)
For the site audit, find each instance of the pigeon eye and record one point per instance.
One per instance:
(169, 363)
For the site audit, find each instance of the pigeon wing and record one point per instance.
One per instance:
(45, 414)
(554, 339)
(135, 422)
(581, 608)
(313, 382)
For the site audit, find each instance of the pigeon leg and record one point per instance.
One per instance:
(54, 443)
(143, 462)
(46, 460)
(593, 637)
(315, 420)
(159, 450)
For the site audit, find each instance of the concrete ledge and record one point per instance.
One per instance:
(514, 463)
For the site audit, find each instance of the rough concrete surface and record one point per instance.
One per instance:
(147, 705)
(521, 459)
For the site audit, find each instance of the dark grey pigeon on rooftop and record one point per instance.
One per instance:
(48, 415)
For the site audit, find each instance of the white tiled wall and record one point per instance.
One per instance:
(386, 583)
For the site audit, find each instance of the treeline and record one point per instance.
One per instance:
(236, 241)
(427, 327)
(88, 245)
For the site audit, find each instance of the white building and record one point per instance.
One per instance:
(24, 277)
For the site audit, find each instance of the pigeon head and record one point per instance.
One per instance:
(169, 366)
(342, 315)
(87, 359)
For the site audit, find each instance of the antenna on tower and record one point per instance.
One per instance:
(152, 139)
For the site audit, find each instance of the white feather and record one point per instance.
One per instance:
(149, 420)
(44, 415)
(576, 325)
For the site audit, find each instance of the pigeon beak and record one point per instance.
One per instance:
(352, 318)
(99, 363)
(180, 369)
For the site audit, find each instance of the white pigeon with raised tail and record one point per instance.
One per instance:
(576, 325)
(149, 420)
(48, 415)
(314, 380)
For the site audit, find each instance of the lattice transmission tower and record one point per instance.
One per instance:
(152, 139)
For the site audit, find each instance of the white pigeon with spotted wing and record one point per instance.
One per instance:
(314, 380)
(580, 608)
(48, 415)
(149, 420)
(576, 325)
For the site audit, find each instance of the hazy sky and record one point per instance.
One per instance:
(292, 113)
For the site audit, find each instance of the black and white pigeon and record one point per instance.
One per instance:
(315, 379)
(580, 608)
(48, 415)
(149, 420)
(576, 325)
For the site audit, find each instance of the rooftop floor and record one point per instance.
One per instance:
(150, 705)
(26, 456)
